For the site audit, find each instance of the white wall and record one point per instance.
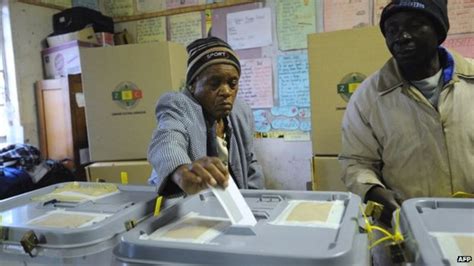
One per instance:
(30, 26)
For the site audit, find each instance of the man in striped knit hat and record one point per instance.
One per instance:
(204, 133)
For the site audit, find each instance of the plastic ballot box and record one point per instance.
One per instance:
(75, 223)
(438, 231)
(293, 228)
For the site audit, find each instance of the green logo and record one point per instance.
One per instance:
(349, 84)
(127, 95)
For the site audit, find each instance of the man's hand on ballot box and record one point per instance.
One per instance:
(388, 199)
(195, 177)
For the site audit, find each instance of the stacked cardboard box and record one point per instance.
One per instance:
(338, 62)
(136, 172)
(121, 87)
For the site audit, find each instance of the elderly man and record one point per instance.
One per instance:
(204, 133)
(408, 131)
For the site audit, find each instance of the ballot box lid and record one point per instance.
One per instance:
(438, 231)
(74, 214)
(293, 227)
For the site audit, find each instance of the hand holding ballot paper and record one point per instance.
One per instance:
(195, 177)
(211, 172)
(234, 204)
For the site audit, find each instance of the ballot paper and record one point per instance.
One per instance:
(234, 204)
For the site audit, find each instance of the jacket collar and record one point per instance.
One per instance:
(453, 64)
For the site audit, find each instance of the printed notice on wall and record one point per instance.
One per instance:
(185, 28)
(463, 44)
(148, 6)
(180, 3)
(92, 4)
(118, 8)
(378, 8)
(295, 20)
(151, 30)
(249, 29)
(345, 14)
(61, 3)
(293, 84)
(461, 16)
(255, 85)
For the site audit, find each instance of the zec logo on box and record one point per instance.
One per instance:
(127, 94)
(348, 84)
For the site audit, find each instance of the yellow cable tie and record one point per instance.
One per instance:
(397, 236)
(124, 178)
(387, 233)
(462, 194)
(158, 206)
(366, 220)
(379, 241)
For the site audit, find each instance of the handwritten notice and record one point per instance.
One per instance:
(92, 4)
(249, 29)
(345, 14)
(378, 8)
(290, 111)
(119, 8)
(185, 28)
(151, 30)
(293, 84)
(148, 6)
(180, 3)
(285, 123)
(255, 85)
(262, 120)
(295, 20)
(61, 3)
(461, 16)
(463, 44)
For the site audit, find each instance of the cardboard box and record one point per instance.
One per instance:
(64, 59)
(121, 87)
(85, 35)
(327, 174)
(138, 172)
(337, 61)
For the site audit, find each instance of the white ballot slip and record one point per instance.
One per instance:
(234, 204)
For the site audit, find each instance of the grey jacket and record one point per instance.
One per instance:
(180, 138)
(394, 137)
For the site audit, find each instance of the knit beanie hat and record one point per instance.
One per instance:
(436, 10)
(208, 51)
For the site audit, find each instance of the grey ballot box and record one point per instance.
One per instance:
(58, 244)
(267, 243)
(438, 231)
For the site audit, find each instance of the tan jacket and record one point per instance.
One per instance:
(394, 137)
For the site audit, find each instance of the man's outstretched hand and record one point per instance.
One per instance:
(195, 177)
(388, 199)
